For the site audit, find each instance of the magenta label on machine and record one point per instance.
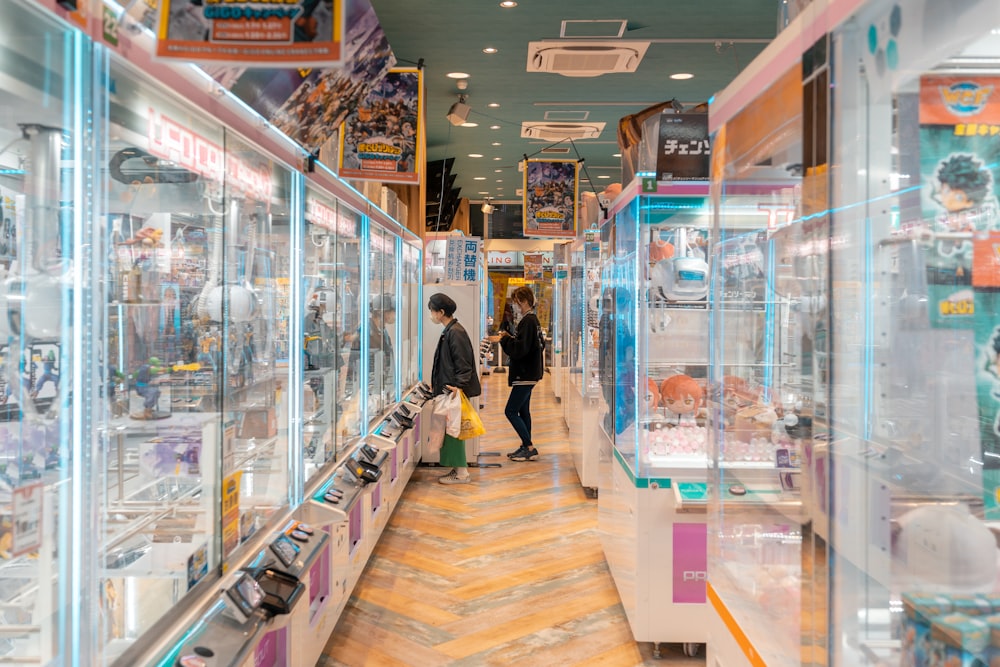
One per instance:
(690, 562)
(272, 651)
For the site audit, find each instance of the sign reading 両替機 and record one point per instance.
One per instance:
(245, 32)
(462, 259)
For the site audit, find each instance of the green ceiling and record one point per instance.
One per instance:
(712, 39)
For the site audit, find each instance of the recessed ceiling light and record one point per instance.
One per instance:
(507, 4)
(490, 49)
(494, 105)
(680, 76)
(475, 154)
(469, 124)
(498, 158)
(484, 192)
(494, 127)
(604, 177)
(479, 178)
(617, 155)
(496, 143)
(497, 171)
(457, 75)
(499, 180)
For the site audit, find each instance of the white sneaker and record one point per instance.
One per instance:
(451, 471)
(453, 478)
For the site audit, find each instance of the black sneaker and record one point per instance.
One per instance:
(525, 454)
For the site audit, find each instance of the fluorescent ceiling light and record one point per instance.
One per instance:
(496, 143)
(617, 155)
(680, 76)
(494, 105)
(479, 178)
(494, 127)
(475, 154)
(604, 177)
(469, 124)
(498, 158)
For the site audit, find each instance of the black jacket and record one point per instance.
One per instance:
(526, 349)
(455, 362)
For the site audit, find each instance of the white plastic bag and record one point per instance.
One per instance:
(449, 406)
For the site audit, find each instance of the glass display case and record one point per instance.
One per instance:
(382, 327)
(196, 324)
(652, 329)
(45, 427)
(332, 280)
(870, 537)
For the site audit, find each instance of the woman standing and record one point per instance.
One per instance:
(454, 369)
(526, 351)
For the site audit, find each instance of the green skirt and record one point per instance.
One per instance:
(453, 453)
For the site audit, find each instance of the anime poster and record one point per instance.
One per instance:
(379, 138)
(534, 266)
(987, 351)
(551, 189)
(291, 32)
(959, 152)
(310, 104)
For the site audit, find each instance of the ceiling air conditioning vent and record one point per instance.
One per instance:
(559, 131)
(590, 58)
(555, 149)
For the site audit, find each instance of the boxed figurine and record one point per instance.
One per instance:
(258, 423)
(959, 640)
(918, 610)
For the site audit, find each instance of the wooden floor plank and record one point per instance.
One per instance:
(507, 571)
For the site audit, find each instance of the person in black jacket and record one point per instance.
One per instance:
(454, 369)
(526, 348)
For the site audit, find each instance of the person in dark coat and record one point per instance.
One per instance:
(526, 349)
(454, 369)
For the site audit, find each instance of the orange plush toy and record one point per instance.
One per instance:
(682, 395)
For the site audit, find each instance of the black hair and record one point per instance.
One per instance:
(967, 174)
(384, 303)
(439, 301)
(525, 295)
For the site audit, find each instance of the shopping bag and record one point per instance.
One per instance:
(435, 434)
(472, 425)
(449, 406)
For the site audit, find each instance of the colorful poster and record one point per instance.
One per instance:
(683, 152)
(310, 104)
(959, 153)
(379, 139)
(534, 269)
(8, 225)
(290, 32)
(987, 351)
(551, 190)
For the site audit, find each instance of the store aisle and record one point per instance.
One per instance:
(507, 570)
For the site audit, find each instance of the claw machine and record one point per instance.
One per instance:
(653, 331)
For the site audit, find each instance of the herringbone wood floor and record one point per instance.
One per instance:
(505, 571)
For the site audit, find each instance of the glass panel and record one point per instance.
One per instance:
(322, 359)
(411, 309)
(41, 202)
(164, 216)
(347, 323)
(760, 400)
(623, 279)
(381, 322)
(253, 324)
(914, 398)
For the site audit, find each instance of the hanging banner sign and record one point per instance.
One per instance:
(551, 189)
(959, 141)
(684, 151)
(379, 139)
(262, 32)
(533, 269)
(309, 104)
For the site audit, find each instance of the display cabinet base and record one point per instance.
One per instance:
(149, 416)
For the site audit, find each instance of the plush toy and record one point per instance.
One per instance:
(682, 395)
(652, 396)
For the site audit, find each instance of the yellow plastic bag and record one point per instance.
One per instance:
(472, 425)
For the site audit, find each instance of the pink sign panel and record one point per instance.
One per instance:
(690, 562)
(272, 651)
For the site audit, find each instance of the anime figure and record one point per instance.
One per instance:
(652, 396)
(682, 395)
(144, 383)
(49, 374)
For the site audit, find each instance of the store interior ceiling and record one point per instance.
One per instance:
(713, 40)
